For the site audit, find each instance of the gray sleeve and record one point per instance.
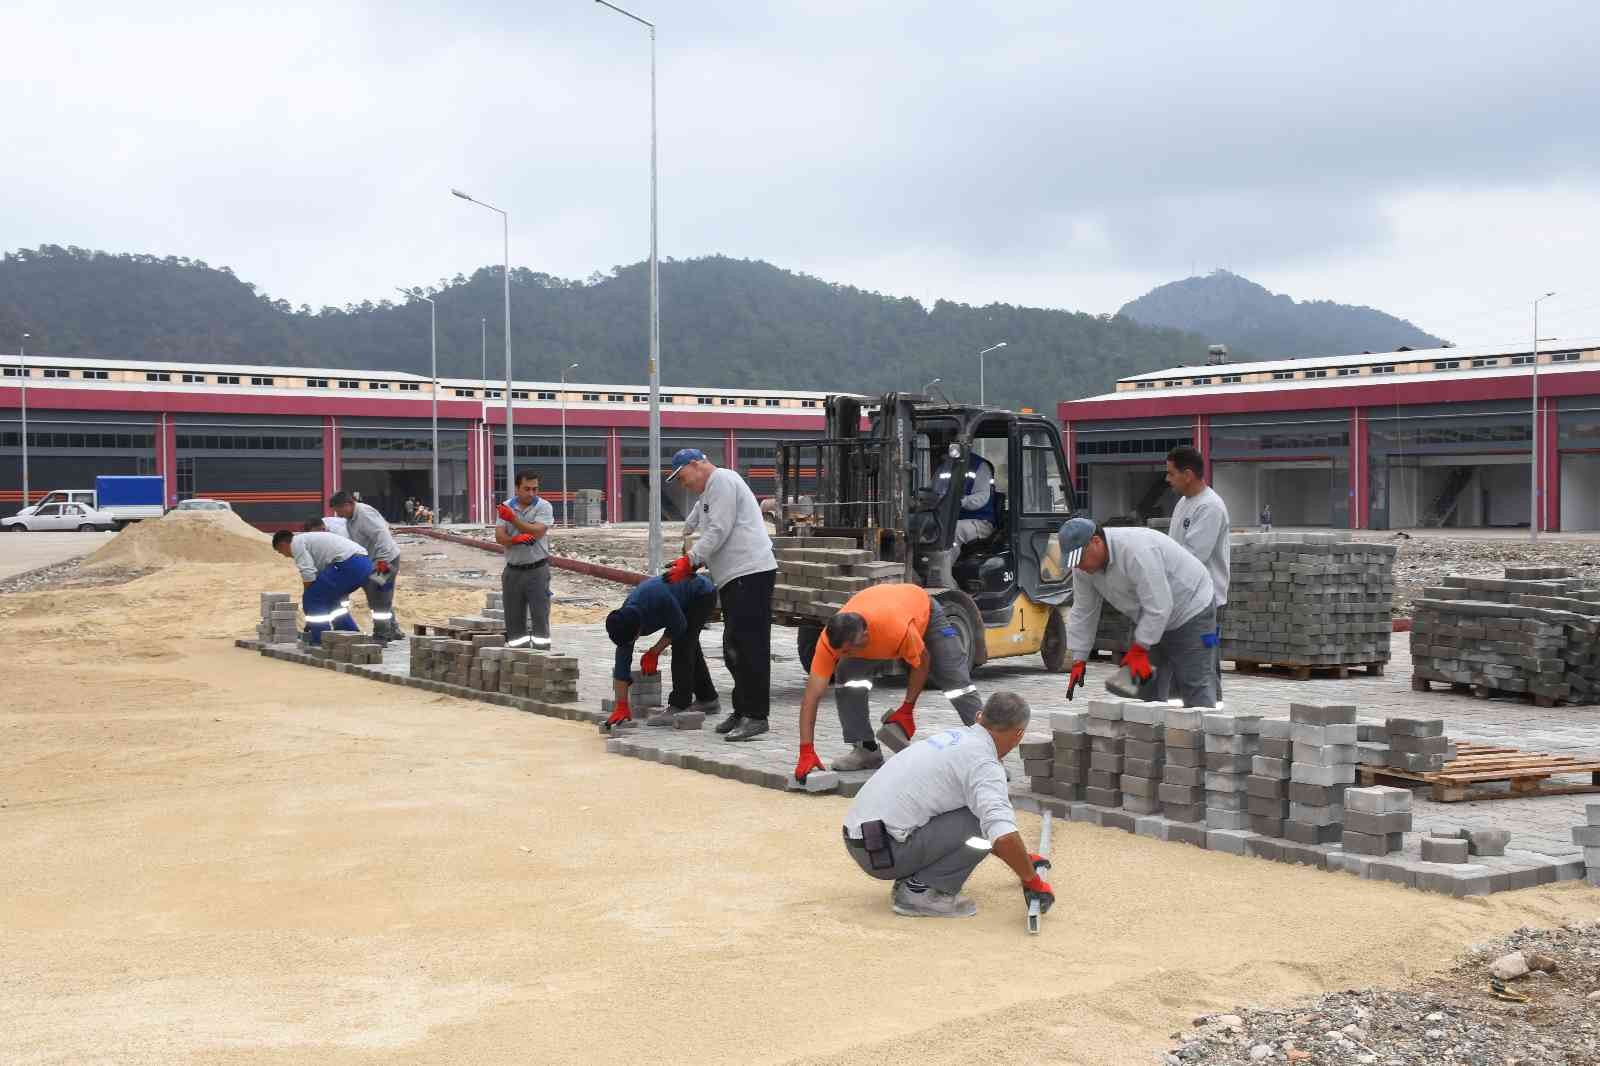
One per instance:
(1084, 618)
(303, 560)
(1149, 573)
(721, 507)
(990, 799)
(544, 513)
(982, 484)
(1204, 536)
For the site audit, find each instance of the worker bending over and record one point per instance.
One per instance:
(525, 581)
(879, 624)
(977, 497)
(331, 567)
(1200, 524)
(364, 525)
(680, 611)
(928, 818)
(1147, 576)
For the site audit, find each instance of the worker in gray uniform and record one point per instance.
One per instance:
(525, 582)
(364, 525)
(977, 516)
(1149, 577)
(1200, 523)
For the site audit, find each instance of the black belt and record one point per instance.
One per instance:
(526, 566)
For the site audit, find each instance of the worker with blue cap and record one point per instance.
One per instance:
(1153, 580)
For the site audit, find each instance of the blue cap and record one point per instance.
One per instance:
(682, 458)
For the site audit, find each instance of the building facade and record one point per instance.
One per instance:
(276, 442)
(1444, 437)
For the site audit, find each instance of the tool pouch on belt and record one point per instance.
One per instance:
(879, 845)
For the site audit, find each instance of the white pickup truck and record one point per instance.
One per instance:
(124, 498)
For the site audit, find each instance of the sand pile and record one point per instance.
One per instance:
(184, 537)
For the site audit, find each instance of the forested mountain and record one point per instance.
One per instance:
(1227, 309)
(727, 322)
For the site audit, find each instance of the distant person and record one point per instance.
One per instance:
(525, 582)
(1266, 519)
(331, 567)
(364, 525)
(1200, 523)
(680, 611)
(409, 509)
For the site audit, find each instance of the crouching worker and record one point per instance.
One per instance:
(680, 610)
(935, 810)
(332, 568)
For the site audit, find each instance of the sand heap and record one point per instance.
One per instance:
(184, 537)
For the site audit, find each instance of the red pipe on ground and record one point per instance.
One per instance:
(577, 566)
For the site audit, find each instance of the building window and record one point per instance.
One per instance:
(262, 381)
(1349, 371)
(246, 443)
(1144, 384)
(547, 396)
(493, 394)
(591, 397)
(1316, 373)
(1521, 360)
(727, 401)
(377, 385)
(347, 383)
(154, 375)
(53, 373)
(1564, 357)
(704, 401)
(614, 397)
(13, 372)
(1477, 363)
(316, 383)
(774, 403)
(466, 392)
(406, 386)
(1283, 375)
(750, 401)
(1232, 379)
(519, 394)
(1383, 368)
(641, 397)
(1447, 364)
(808, 403)
(96, 375)
(185, 471)
(227, 379)
(194, 379)
(1201, 381)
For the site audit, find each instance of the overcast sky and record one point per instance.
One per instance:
(1437, 160)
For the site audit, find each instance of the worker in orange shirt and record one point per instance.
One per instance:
(876, 625)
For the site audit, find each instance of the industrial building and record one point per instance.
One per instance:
(275, 442)
(1426, 438)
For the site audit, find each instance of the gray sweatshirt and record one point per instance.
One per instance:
(733, 536)
(314, 552)
(945, 772)
(1149, 577)
(367, 528)
(1200, 524)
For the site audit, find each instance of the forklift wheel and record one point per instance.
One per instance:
(1054, 648)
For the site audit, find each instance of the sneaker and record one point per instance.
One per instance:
(662, 718)
(929, 903)
(858, 758)
(729, 724)
(748, 729)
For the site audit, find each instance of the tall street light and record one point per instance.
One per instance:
(511, 429)
(1537, 451)
(433, 343)
(981, 354)
(655, 313)
(22, 369)
(486, 463)
(566, 496)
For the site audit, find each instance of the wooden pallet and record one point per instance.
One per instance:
(431, 629)
(1527, 773)
(1305, 673)
(1485, 692)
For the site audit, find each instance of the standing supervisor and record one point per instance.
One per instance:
(680, 611)
(525, 581)
(331, 568)
(1200, 524)
(735, 547)
(879, 624)
(1148, 577)
(928, 818)
(364, 525)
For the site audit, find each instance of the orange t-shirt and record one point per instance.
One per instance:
(897, 616)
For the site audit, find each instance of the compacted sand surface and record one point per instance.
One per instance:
(208, 856)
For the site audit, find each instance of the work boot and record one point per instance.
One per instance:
(929, 902)
(710, 708)
(662, 718)
(859, 758)
(730, 723)
(748, 729)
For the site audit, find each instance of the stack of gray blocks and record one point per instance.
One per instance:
(1069, 739)
(475, 623)
(817, 574)
(1308, 599)
(645, 690)
(1587, 837)
(1417, 744)
(1039, 763)
(1144, 756)
(1372, 742)
(494, 607)
(342, 646)
(1105, 729)
(1267, 787)
(279, 619)
(1376, 820)
(1183, 778)
(588, 507)
(1232, 742)
(1323, 767)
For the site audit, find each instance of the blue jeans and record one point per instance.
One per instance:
(324, 599)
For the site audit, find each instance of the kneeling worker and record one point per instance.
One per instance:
(1153, 580)
(878, 624)
(367, 527)
(332, 568)
(917, 820)
(680, 610)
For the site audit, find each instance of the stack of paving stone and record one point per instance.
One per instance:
(817, 574)
(1372, 742)
(1587, 837)
(588, 507)
(1531, 632)
(1308, 599)
(1324, 767)
(279, 620)
(1417, 744)
(1105, 728)
(1267, 787)
(1069, 739)
(475, 623)
(1039, 763)
(342, 646)
(441, 659)
(1232, 741)
(1144, 756)
(1375, 819)
(494, 608)
(1183, 777)
(538, 675)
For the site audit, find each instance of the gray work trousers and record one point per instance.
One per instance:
(380, 597)
(937, 854)
(1185, 666)
(947, 671)
(526, 592)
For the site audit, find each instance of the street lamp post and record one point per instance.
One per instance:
(655, 313)
(433, 344)
(486, 462)
(981, 354)
(511, 429)
(22, 369)
(566, 496)
(1536, 451)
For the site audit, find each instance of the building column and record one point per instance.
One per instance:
(474, 475)
(1358, 470)
(167, 457)
(1202, 443)
(1550, 449)
(730, 450)
(330, 457)
(613, 475)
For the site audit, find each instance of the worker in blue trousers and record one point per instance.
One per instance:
(332, 568)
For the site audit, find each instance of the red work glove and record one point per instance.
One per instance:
(1039, 862)
(1075, 677)
(506, 513)
(1138, 663)
(650, 662)
(381, 567)
(680, 569)
(1038, 889)
(620, 714)
(903, 718)
(524, 538)
(808, 762)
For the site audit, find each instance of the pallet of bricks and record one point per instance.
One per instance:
(1308, 601)
(1531, 633)
(279, 619)
(817, 574)
(341, 646)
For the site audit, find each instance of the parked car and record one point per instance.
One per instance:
(199, 504)
(59, 516)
